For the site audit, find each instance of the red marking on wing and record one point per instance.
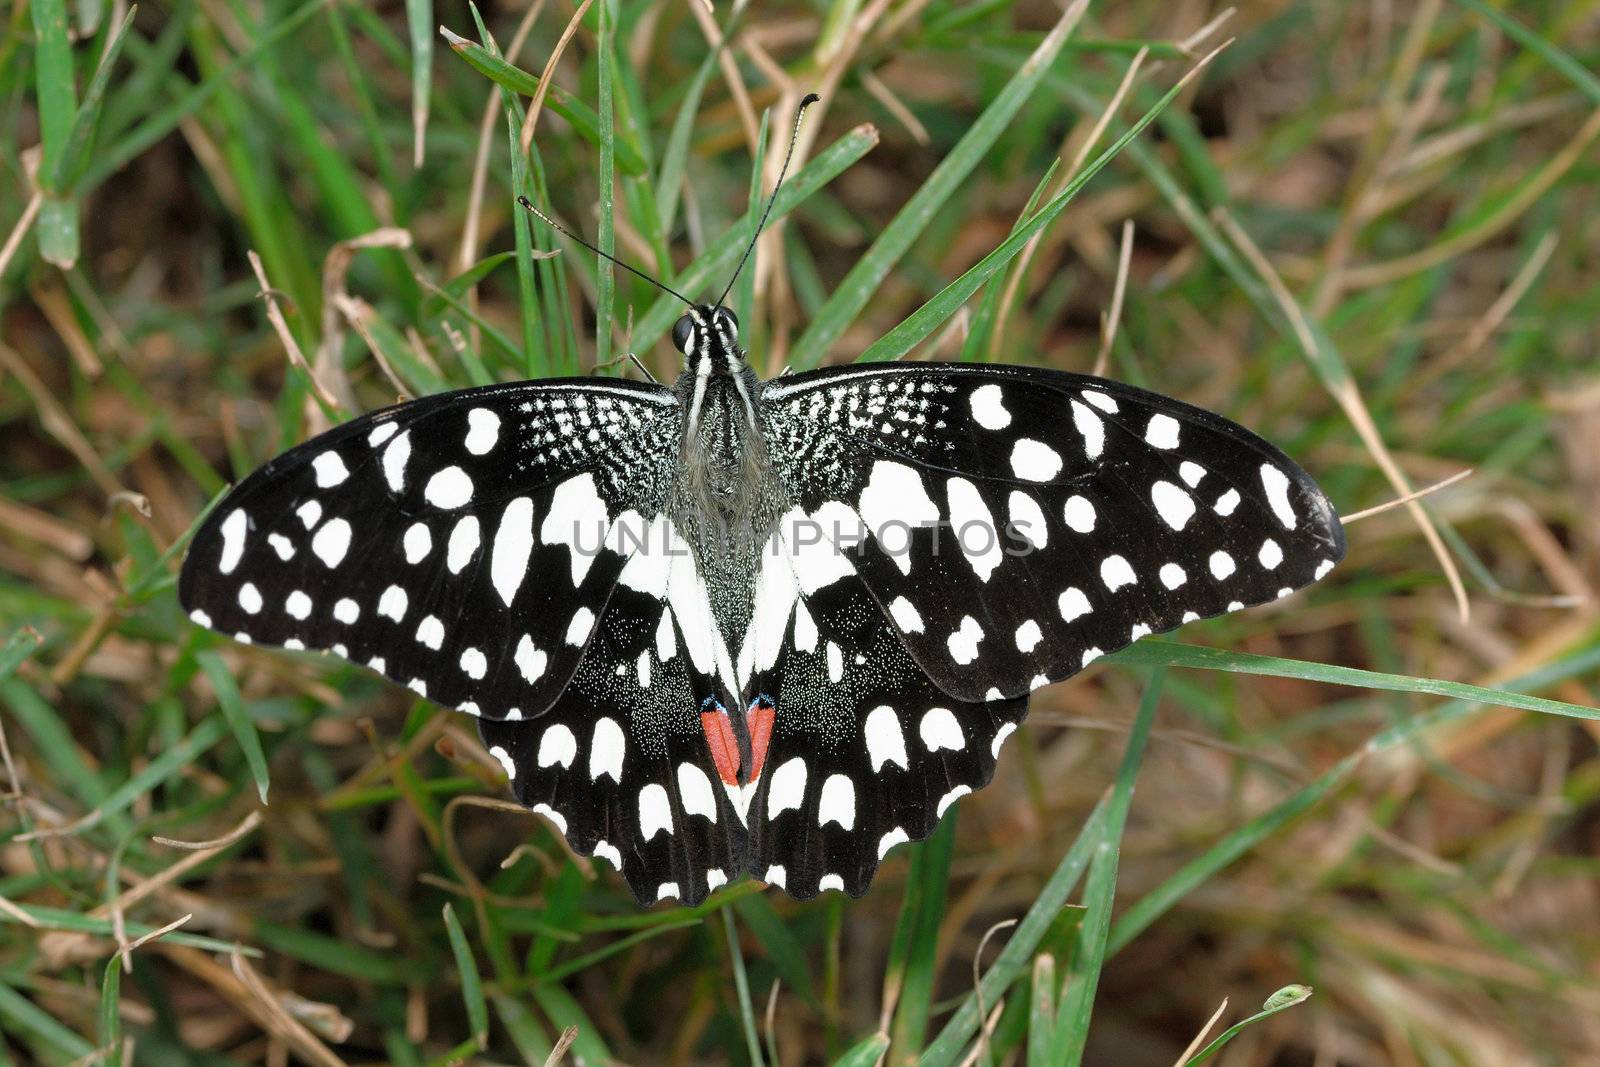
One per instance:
(724, 747)
(759, 719)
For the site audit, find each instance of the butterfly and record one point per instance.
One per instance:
(735, 627)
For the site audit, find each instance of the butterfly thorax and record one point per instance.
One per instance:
(725, 501)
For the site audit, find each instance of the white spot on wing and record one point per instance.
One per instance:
(392, 604)
(895, 497)
(282, 546)
(667, 891)
(1162, 432)
(1079, 514)
(1035, 461)
(838, 802)
(332, 542)
(1027, 519)
(988, 408)
(885, 742)
(1101, 401)
(381, 433)
(835, 663)
(906, 615)
(1222, 565)
(430, 632)
(974, 527)
(465, 537)
(1172, 575)
(1276, 484)
(513, 545)
(330, 470)
(655, 811)
(449, 488)
(1000, 735)
(830, 881)
(298, 605)
(963, 643)
(1191, 472)
(787, 788)
(609, 852)
(474, 664)
(233, 531)
(250, 597)
(577, 518)
(1271, 554)
(529, 660)
(951, 797)
(939, 729)
(578, 629)
(894, 837)
(553, 815)
(505, 761)
(666, 637)
(418, 542)
(1116, 573)
(1226, 503)
(557, 746)
(777, 876)
(1028, 636)
(395, 458)
(805, 628)
(483, 429)
(606, 750)
(694, 790)
(1073, 605)
(1091, 428)
(1175, 506)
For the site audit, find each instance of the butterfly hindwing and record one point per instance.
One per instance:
(1014, 524)
(865, 751)
(619, 762)
(463, 544)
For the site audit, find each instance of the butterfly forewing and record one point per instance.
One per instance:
(1015, 524)
(464, 545)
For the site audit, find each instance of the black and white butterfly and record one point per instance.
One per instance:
(736, 627)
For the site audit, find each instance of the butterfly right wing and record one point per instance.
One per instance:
(463, 544)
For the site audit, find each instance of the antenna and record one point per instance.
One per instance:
(553, 224)
(799, 115)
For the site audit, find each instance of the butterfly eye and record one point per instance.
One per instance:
(681, 333)
(730, 320)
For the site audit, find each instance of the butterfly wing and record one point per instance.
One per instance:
(1022, 522)
(961, 536)
(619, 762)
(865, 751)
(463, 544)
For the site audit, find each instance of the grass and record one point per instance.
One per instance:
(1360, 822)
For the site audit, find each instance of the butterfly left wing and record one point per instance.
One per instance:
(463, 544)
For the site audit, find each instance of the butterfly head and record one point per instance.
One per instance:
(708, 337)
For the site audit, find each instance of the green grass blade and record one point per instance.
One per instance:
(913, 957)
(585, 122)
(74, 157)
(244, 731)
(54, 80)
(1282, 1000)
(419, 21)
(865, 1053)
(110, 1005)
(1083, 973)
(741, 984)
(920, 323)
(471, 981)
(724, 251)
(605, 278)
(18, 647)
(867, 275)
(1154, 652)
(23, 1017)
(675, 160)
(1042, 1012)
(1160, 900)
(1570, 68)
